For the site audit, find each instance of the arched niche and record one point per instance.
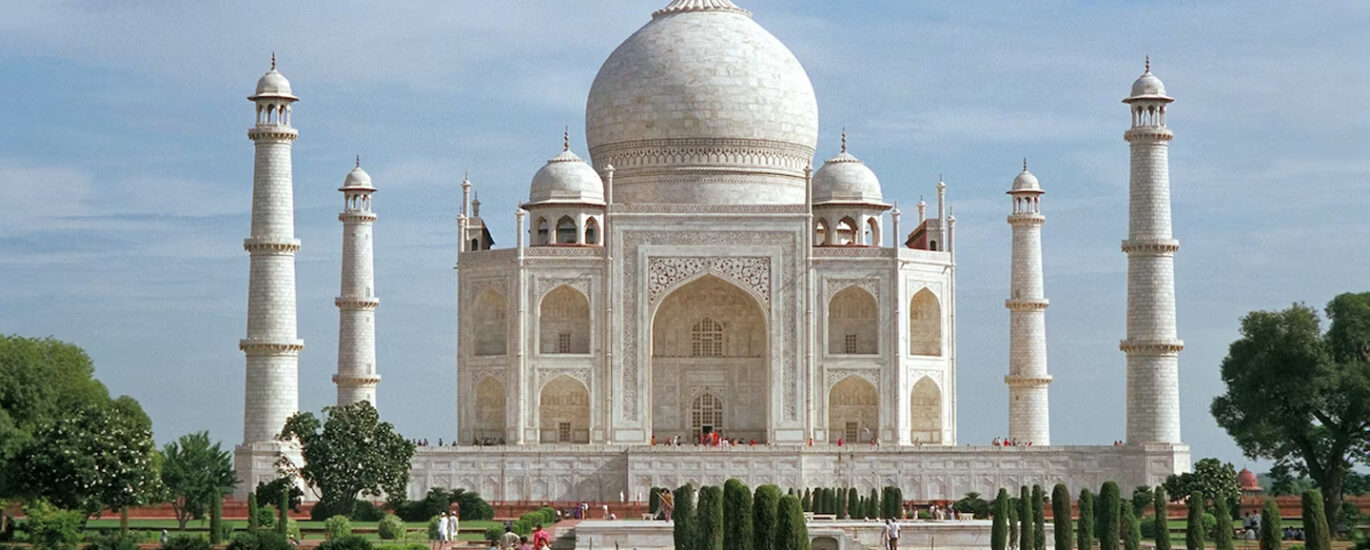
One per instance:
(852, 325)
(564, 322)
(489, 323)
(853, 410)
(925, 324)
(564, 411)
(489, 419)
(925, 412)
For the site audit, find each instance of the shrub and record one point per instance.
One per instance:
(1039, 519)
(493, 533)
(1110, 502)
(1060, 516)
(1025, 521)
(1161, 524)
(1270, 526)
(1013, 522)
(873, 505)
(113, 541)
(853, 503)
(266, 517)
(790, 531)
(1194, 527)
(1084, 529)
(1132, 528)
(261, 540)
(252, 523)
(216, 523)
(1222, 530)
(765, 506)
(972, 504)
(1315, 522)
(186, 542)
(710, 519)
(365, 510)
(52, 528)
(346, 542)
(683, 530)
(337, 527)
(434, 534)
(391, 527)
(270, 492)
(892, 503)
(737, 517)
(998, 534)
(283, 523)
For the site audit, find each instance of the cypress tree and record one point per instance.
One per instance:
(1162, 526)
(839, 501)
(1270, 526)
(1110, 499)
(684, 517)
(1132, 528)
(1039, 519)
(853, 503)
(283, 513)
(709, 519)
(1315, 530)
(1013, 522)
(252, 525)
(998, 534)
(1060, 517)
(1084, 529)
(807, 502)
(873, 505)
(216, 512)
(1194, 527)
(1025, 520)
(737, 520)
(790, 531)
(765, 506)
(1223, 535)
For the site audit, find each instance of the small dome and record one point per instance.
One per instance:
(1026, 181)
(566, 179)
(273, 84)
(844, 178)
(357, 179)
(1148, 86)
(1248, 481)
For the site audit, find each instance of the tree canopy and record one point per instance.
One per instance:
(1299, 396)
(196, 474)
(90, 459)
(1212, 479)
(350, 453)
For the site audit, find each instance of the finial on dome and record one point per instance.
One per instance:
(1025, 164)
(566, 138)
(1148, 63)
(920, 200)
(844, 139)
(273, 61)
(359, 161)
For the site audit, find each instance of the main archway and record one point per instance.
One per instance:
(709, 339)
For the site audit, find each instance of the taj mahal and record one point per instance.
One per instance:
(704, 270)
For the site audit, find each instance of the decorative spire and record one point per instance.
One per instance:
(566, 139)
(1148, 63)
(844, 139)
(273, 61)
(359, 161)
(920, 200)
(1024, 164)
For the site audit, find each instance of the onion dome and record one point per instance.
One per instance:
(845, 179)
(703, 105)
(1248, 481)
(273, 84)
(357, 180)
(566, 179)
(1025, 182)
(1148, 86)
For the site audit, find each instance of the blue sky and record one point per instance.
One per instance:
(127, 172)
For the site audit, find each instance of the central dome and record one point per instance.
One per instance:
(702, 105)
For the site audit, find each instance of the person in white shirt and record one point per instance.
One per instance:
(891, 534)
(443, 529)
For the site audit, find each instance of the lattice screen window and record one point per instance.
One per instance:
(564, 432)
(706, 410)
(849, 344)
(564, 342)
(706, 339)
(850, 431)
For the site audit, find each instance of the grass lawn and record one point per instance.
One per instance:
(311, 530)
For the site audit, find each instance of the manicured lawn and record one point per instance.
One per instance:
(311, 530)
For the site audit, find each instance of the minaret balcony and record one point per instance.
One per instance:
(272, 131)
(1027, 380)
(357, 216)
(356, 302)
(1026, 218)
(1152, 133)
(1164, 346)
(1152, 247)
(1027, 304)
(356, 380)
(270, 347)
(269, 245)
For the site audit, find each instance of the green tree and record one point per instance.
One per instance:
(1194, 523)
(765, 506)
(1141, 499)
(790, 530)
(1039, 519)
(853, 503)
(196, 474)
(683, 518)
(1162, 519)
(350, 453)
(1222, 533)
(892, 502)
(1084, 528)
(216, 516)
(52, 528)
(1314, 421)
(972, 504)
(1013, 506)
(1271, 532)
(737, 520)
(998, 534)
(1132, 527)
(1026, 522)
(873, 505)
(269, 492)
(807, 502)
(709, 527)
(1212, 478)
(252, 524)
(1315, 530)
(283, 513)
(1060, 517)
(1109, 499)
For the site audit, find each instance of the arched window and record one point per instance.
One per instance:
(564, 411)
(566, 230)
(820, 232)
(540, 235)
(872, 231)
(706, 411)
(846, 232)
(853, 410)
(592, 231)
(564, 322)
(489, 425)
(489, 324)
(925, 412)
(852, 322)
(925, 324)
(706, 338)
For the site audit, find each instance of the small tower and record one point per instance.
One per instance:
(847, 202)
(1027, 380)
(356, 378)
(272, 346)
(1152, 347)
(566, 202)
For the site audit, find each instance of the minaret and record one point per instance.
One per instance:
(1027, 380)
(1152, 348)
(357, 378)
(272, 346)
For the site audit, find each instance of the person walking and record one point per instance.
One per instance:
(541, 538)
(509, 540)
(453, 518)
(891, 535)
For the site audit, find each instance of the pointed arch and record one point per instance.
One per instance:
(564, 322)
(490, 411)
(489, 323)
(846, 232)
(872, 237)
(820, 232)
(592, 230)
(925, 412)
(925, 324)
(852, 322)
(706, 412)
(567, 231)
(541, 233)
(853, 410)
(564, 411)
